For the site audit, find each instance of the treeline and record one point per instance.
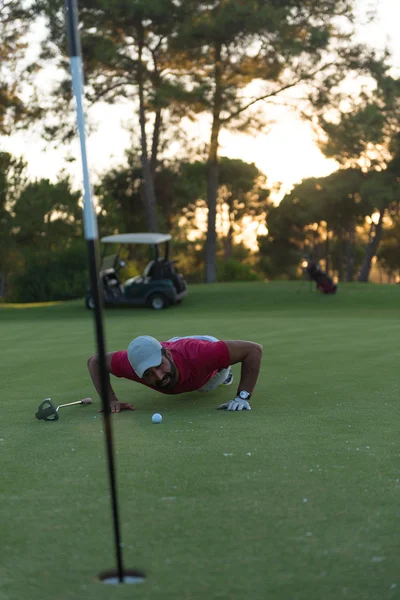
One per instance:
(344, 219)
(174, 60)
(43, 255)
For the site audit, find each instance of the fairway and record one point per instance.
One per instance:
(298, 499)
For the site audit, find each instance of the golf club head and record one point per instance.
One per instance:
(47, 411)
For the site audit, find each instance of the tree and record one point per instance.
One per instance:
(381, 191)
(242, 194)
(12, 182)
(342, 208)
(47, 216)
(279, 45)
(14, 25)
(364, 133)
(181, 189)
(314, 221)
(47, 230)
(388, 254)
(41, 244)
(125, 55)
(118, 196)
(289, 239)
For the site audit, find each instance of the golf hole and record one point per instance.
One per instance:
(129, 576)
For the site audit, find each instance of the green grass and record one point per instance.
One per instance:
(306, 504)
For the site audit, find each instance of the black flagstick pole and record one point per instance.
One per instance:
(91, 236)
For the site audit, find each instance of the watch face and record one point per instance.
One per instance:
(244, 395)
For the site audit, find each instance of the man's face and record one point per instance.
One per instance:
(165, 376)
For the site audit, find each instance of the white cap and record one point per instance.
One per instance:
(144, 352)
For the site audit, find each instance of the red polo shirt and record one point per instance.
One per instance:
(197, 362)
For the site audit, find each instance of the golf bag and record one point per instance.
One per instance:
(324, 283)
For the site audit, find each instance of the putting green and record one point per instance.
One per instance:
(297, 499)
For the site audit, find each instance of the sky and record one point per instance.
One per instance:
(287, 153)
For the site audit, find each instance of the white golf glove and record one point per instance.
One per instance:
(235, 404)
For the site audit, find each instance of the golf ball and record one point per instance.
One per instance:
(156, 418)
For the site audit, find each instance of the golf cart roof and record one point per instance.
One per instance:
(137, 238)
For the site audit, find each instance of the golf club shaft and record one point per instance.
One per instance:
(91, 236)
(84, 401)
(69, 404)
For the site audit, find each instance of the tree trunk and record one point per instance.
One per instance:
(371, 249)
(212, 175)
(350, 255)
(155, 143)
(340, 273)
(327, 249)
(228, 244)
(211, 241)
(148, 197)
(2, 284)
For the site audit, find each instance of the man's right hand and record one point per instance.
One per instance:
(117, 406)
(235, 404)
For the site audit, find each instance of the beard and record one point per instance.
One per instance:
(170, 377)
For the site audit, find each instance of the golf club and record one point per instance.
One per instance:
(48, 412)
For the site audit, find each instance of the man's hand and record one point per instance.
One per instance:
(235, 404)
(117, 406)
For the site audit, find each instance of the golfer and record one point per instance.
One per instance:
(182, 364)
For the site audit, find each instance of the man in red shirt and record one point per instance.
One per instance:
(180, 365)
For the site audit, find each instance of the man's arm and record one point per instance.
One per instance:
(250, 355)
(94, 371)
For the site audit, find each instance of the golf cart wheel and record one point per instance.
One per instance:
(157, 302)
(89, 302)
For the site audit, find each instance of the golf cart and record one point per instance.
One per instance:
(158, 287)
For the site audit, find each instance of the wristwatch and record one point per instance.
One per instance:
(244, 395)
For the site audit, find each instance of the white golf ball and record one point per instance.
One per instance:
(156, 418)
